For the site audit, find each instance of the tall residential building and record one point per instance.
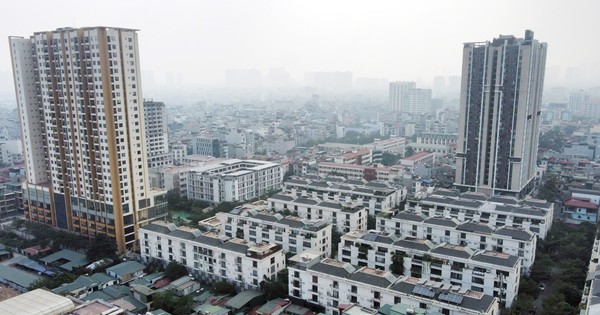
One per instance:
(80, 108)
(157, 136)
(500, 104)
(406, 98)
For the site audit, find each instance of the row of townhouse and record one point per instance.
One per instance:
(345, 216)
(332, 284)
(377, 196)
(233, 180)
(211, 257)
(530, 214)
(254, 223)
(475, 235)
(492, 273)
(358, 171)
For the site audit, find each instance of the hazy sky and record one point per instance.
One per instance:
(398, 40)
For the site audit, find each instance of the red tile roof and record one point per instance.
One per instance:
(580, 204)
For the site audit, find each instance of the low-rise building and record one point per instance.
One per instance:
(492, 273)
(126, 271)
(333, 283)
(344, 216)
(438, 143)
(211, 257)
(530, 214)
(375, 195)
(360, 157)
(418, 159)
(358, 171)
(581, 210)
(293, 233)
(233, 180)
(475, 235)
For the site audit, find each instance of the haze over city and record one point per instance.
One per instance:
(193, 43)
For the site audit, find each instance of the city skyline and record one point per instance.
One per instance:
(370, 41)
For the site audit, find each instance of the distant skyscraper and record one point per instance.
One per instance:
(336, 81)
(82, 118)
(405, 97)
(157, 135)
(500, 105)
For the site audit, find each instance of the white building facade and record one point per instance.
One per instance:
(331, 283)
(233, 180)
(492, 273)
(292, 233)
(475, 235)
(210, 257)
(378, 197)
(344, 216)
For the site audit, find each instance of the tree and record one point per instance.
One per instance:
(389, 159)
(552, 140)
(529, 287)
(371, 222)
(550, 190)
(277, 288)
(336, 238)
(52, 283)
(408, 152)
(175, 271)
(168, 301)
(223, 287)
(397, 266)
(102, 246)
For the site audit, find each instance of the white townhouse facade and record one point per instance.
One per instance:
(475, 235)
(292, 233)
(530, 214)
(378, 197)
(331, 283)
(211, 257)
(233, 180)
(344, 216)
(492, 273)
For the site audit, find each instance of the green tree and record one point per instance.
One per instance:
(168, 301)
(276, 288)
(552, 139)
(336, 238)
(550, 189)
(175, 271)
(52, 283)
(397, 266)
(389, 159)
(371, 222)
(408, 152)
(102, 246)
(223, 287)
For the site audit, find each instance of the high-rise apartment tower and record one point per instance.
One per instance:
(406, 98)
(82, 119)
(500, 105)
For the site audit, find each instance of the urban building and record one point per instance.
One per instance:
(492, 273)
(500, 107)
(582, 205)
(157, 135)
(211, 257)
(333, 283)
(233, 180)
(210, 146)
(531, 214)
(360, 157)
(254, 223)
(394, 145)
(474, 235)
(406, 98)
(344, 216)
(11, 197)
(421, 158)
(377, 197)
(178, 152)
(439, 143)
(358, 171)
(82, 119)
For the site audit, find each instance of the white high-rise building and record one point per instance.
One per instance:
(500, 106)
(82, 119)
(157, 135)
(406, 98)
